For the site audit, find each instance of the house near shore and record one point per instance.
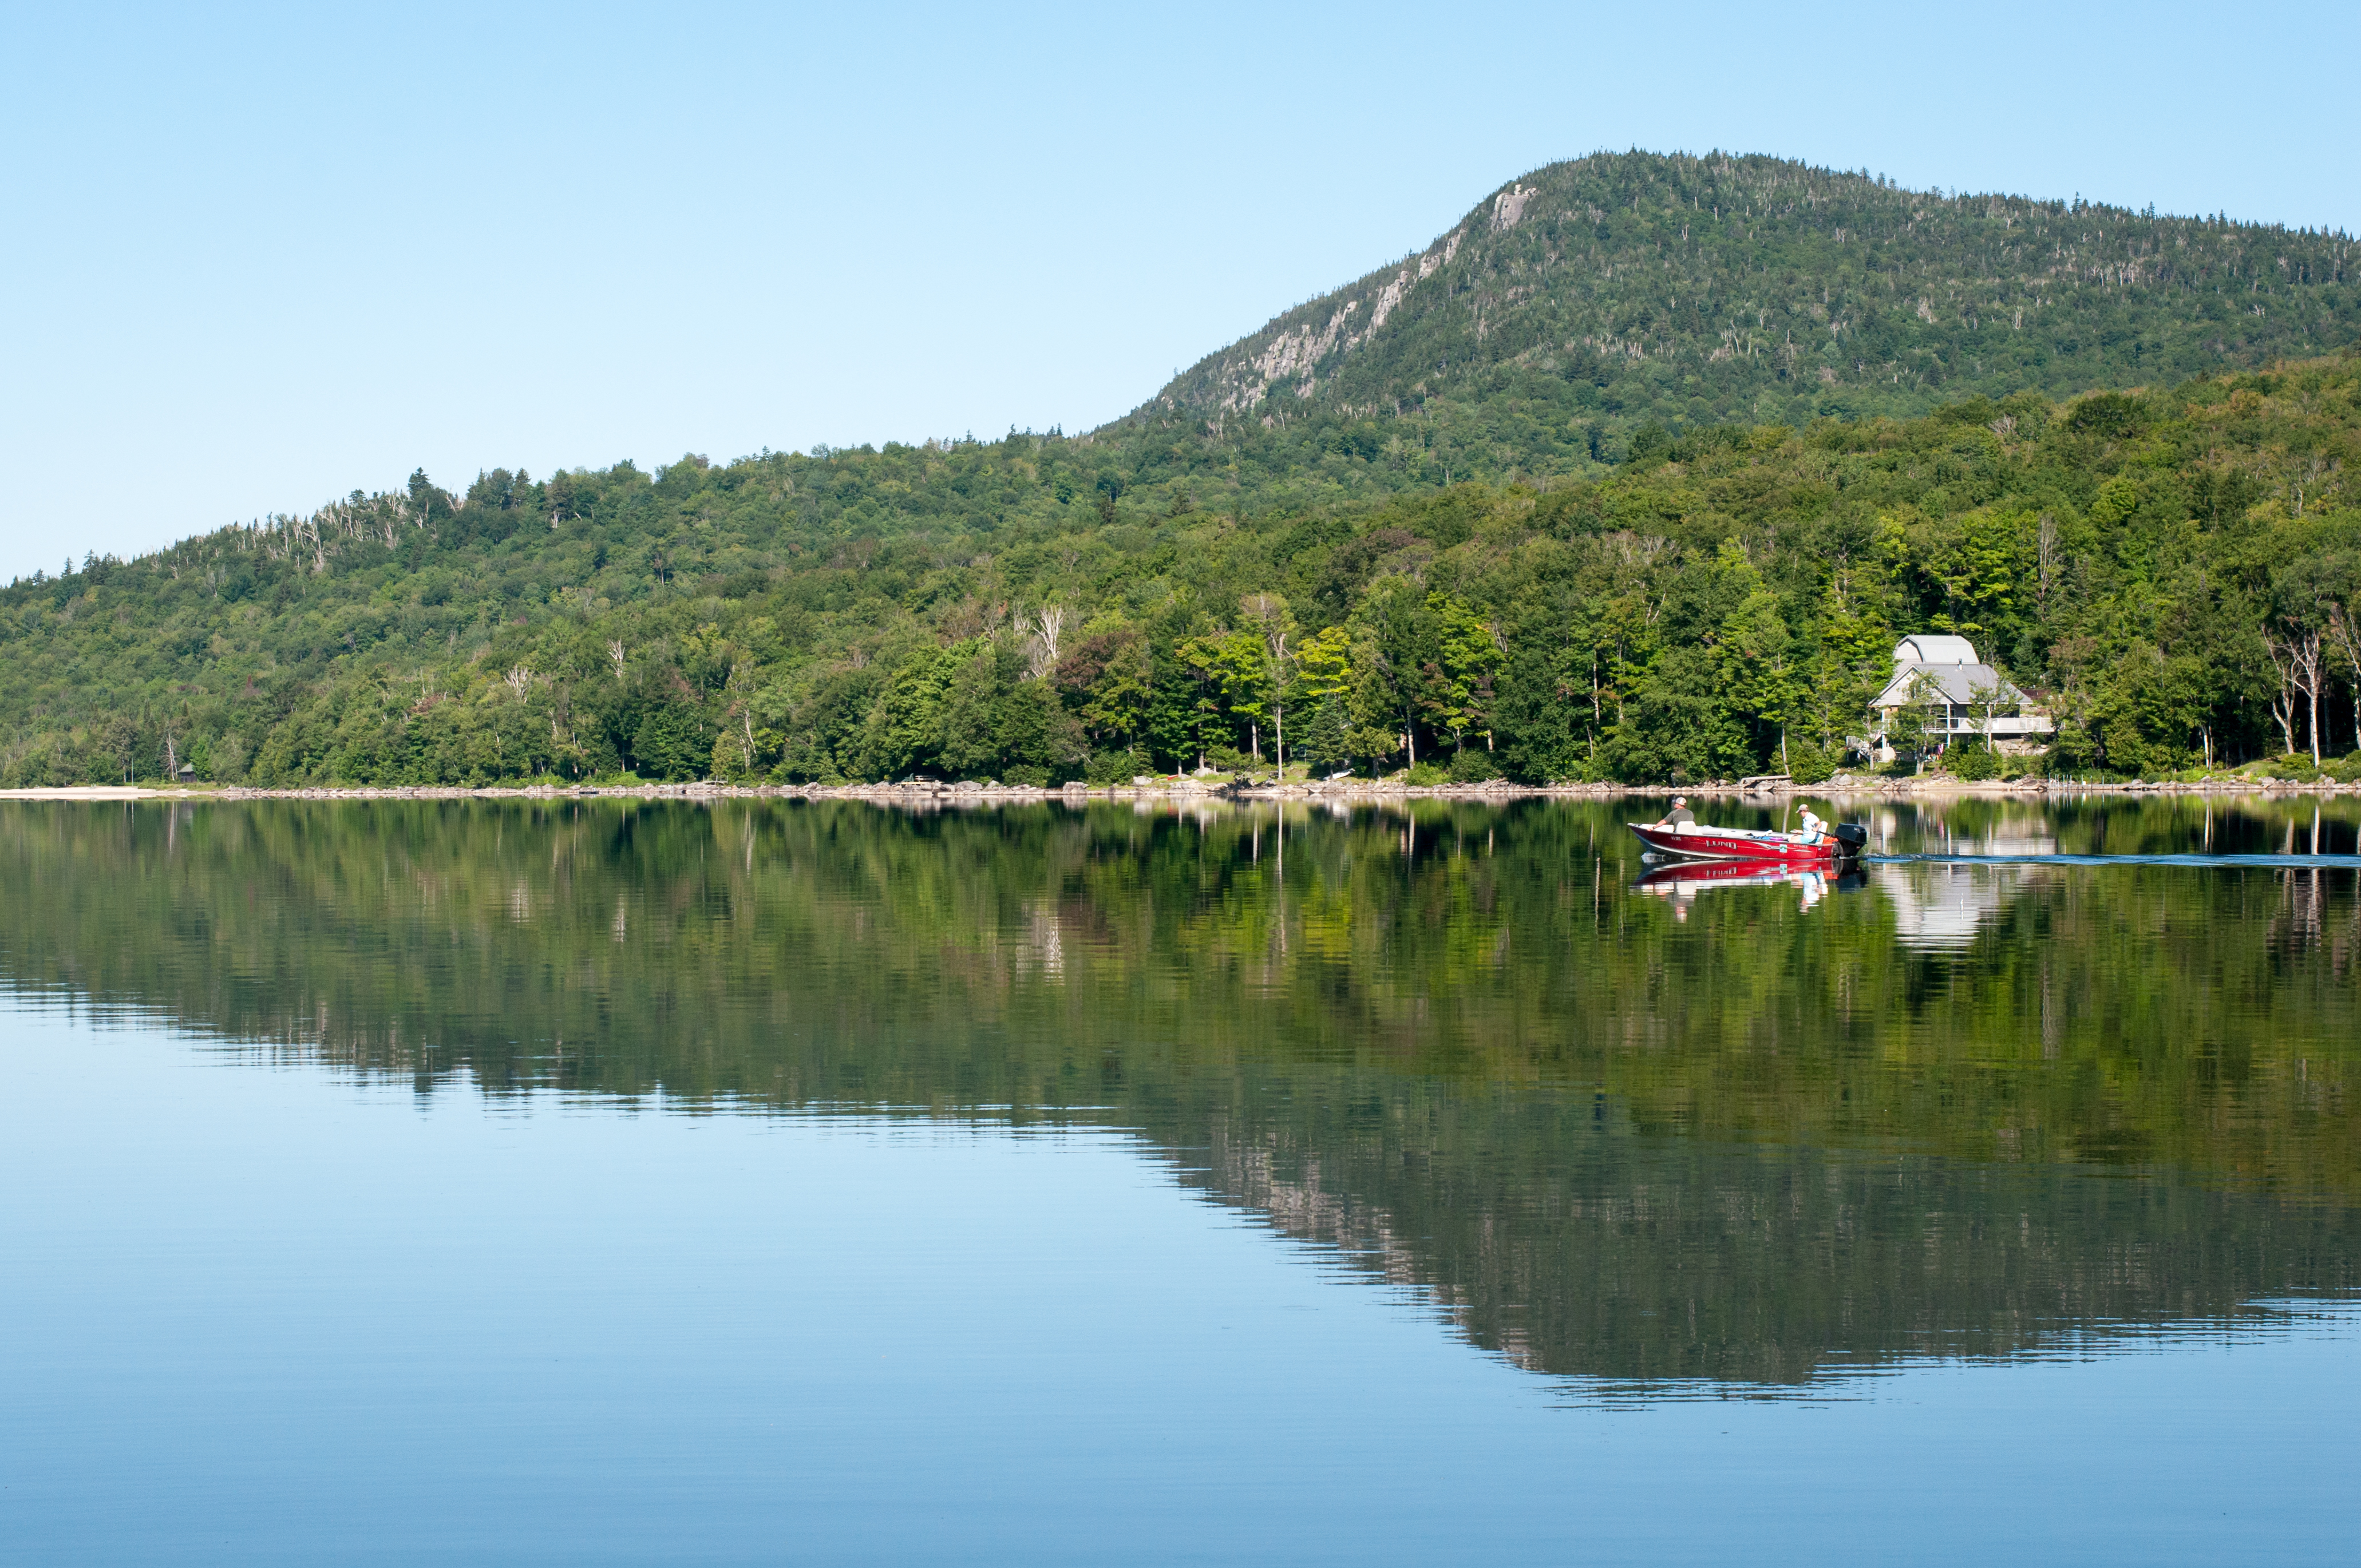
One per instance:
(1960, 694)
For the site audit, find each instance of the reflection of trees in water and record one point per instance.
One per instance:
(1557, 1237)
(1750, 1146)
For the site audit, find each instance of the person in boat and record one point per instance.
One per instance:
(1812, 831)
(1680, 816)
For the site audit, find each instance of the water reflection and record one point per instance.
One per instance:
(1941, 907)
(1682, 881)
(1650, 1129)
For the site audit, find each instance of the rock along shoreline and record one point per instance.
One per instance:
(1198, 791)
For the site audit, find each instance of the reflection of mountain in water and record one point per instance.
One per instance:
(1751, 1146)
(1641, 1260)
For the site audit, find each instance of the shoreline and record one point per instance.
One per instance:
(1189, 790)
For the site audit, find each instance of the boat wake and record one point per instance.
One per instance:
(2279, 862)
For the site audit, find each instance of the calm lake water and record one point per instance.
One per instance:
(759, 1181)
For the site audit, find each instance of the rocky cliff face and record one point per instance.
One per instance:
(1720, 288)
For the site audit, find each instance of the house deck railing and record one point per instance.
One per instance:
(2017, 723)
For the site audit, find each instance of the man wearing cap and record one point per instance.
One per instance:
(1812, 829)
(1680, 816)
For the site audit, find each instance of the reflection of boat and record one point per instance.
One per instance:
(1683, 881)
(1692, 842)
(1696, 875)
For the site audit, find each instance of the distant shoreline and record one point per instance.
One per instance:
(1185, 790)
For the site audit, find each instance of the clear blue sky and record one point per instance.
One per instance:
(257, 258)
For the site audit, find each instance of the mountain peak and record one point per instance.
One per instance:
(1700, 290)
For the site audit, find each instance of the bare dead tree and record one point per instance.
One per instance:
(1047, 625)
(2295, 659)
(2046, 546)
(2309, 671)
(2345, 634)
(2282, 699)
(1268, 612)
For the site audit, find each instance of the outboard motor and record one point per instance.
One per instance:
(1851, 839)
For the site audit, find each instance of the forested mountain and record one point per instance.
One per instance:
(1536, 502)
(1579, 302)
(2175, 570)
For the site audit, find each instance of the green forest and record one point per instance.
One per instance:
(1536, 504)
(2174, 572)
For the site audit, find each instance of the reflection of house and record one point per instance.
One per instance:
(2012, 835)
(1960, 694)
(1935, 907)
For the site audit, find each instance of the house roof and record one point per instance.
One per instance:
(1957, 683)
(1933, 648)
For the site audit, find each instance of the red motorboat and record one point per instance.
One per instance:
(1696, 843)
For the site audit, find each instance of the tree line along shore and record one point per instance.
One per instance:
(2174, 574)
(1185, 790)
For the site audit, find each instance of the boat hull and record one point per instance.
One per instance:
(1736, 844)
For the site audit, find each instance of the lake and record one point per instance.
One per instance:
(617, 1180)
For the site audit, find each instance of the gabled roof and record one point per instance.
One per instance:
(1934, 648)
(1957, 683)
